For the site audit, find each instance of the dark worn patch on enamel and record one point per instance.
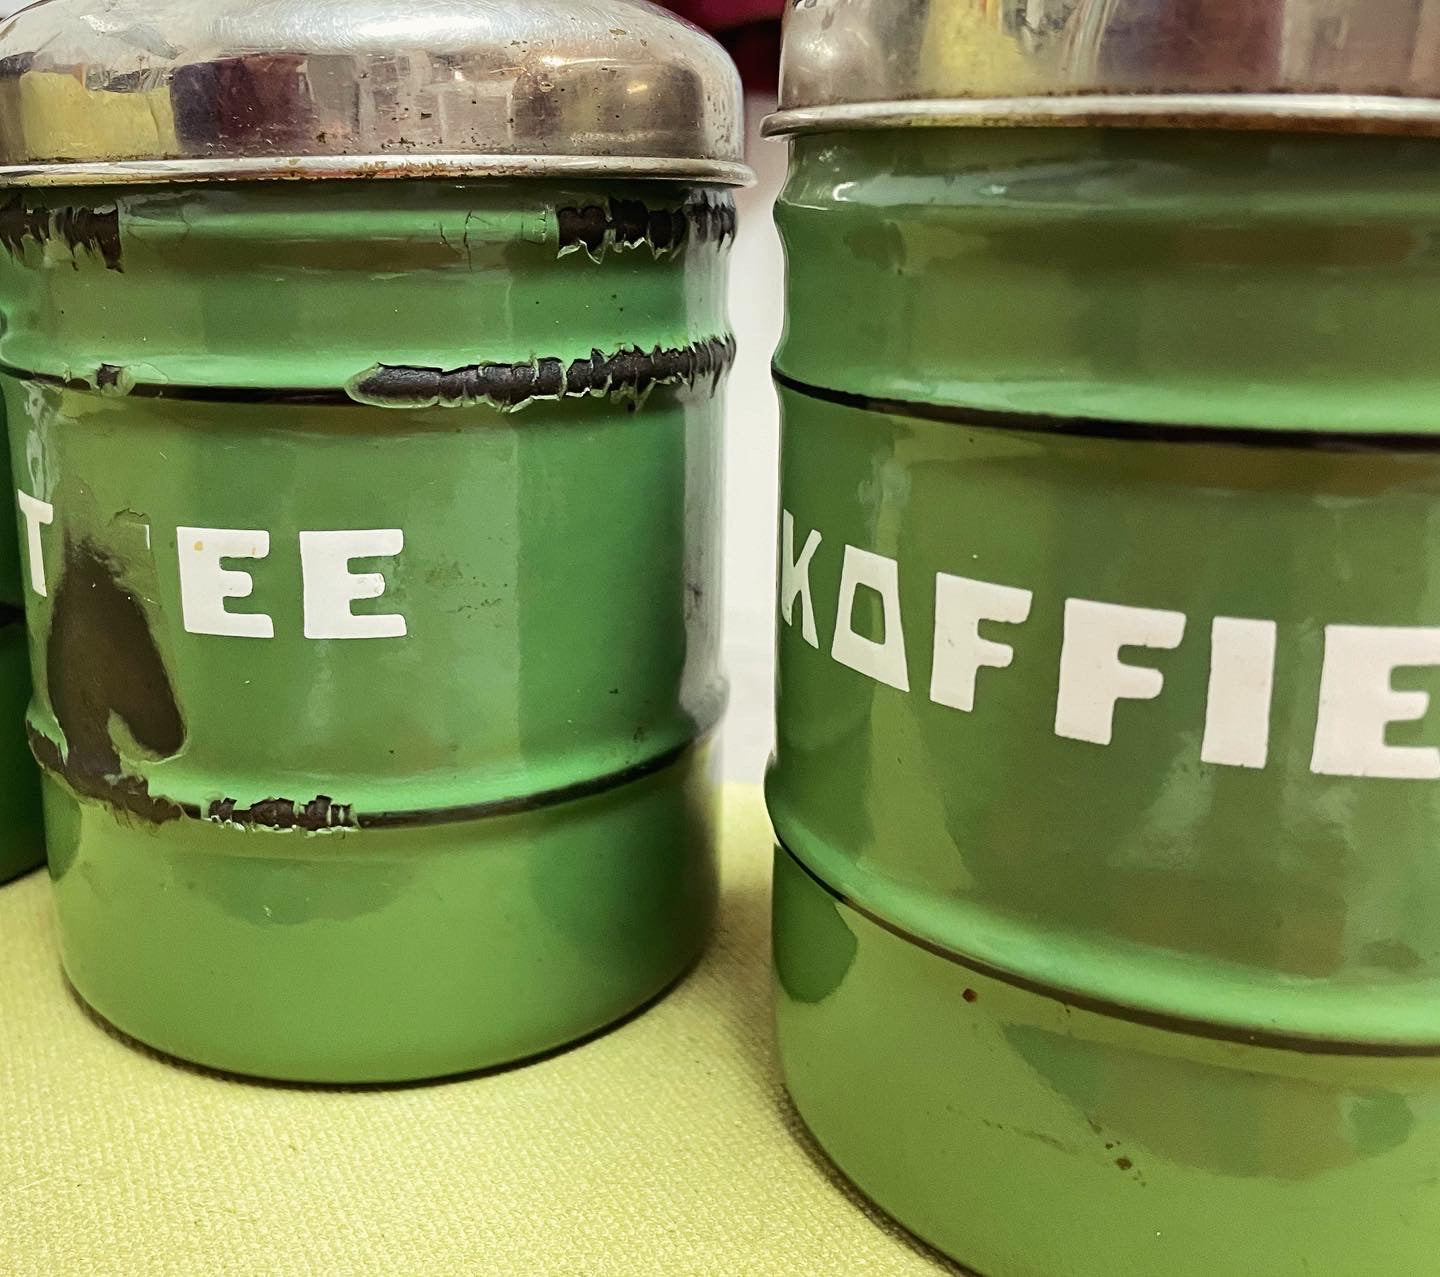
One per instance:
(90, 230)
(319, 813)
(102, 663)
(629, 224)
(625, 373)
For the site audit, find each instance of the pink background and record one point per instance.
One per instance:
(719, 14)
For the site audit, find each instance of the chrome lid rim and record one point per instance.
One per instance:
(1311, 112)
(415, 167)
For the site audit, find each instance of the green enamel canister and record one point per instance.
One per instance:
(363, 370)
(1107, 787)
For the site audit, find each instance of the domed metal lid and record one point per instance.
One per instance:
(1324, 65)
(187, 90)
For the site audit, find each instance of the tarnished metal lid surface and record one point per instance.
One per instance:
(1326, 65)
(147, 90)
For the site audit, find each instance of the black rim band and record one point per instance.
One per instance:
(321, 814)
(1180, 1024)
(632, 371)
(1107, 428)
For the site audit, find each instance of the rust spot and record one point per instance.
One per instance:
(628, 224)
(91, 230)
(970, 995)
(319, 813)
(120, 791)
(1124, 1163)
(629, 373)
(114, 379)
(101, 663)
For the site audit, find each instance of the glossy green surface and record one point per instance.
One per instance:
(1226, 975)
(1026, 1136)
(558, 583)
(382, 955)
(1175, 276)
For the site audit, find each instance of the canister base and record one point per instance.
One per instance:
(385, 955)
(1028, 1138)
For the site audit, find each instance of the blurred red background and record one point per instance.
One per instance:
(750, 29)
(719, 15)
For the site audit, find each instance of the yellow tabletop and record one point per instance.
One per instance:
(664, 1147)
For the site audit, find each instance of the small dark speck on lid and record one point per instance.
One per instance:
(970, 995)
(1124, 1163)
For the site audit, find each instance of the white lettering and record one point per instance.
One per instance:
(960, 653)
(1092, 676)
(795, 578)
(36, 514)
(885, 661)
(205, 585)
(1242, 684)
(330, 587)
(1357, 702)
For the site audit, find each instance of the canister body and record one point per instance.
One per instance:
(1106, 776)
(424, 787)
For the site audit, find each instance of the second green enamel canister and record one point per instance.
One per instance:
(1107, 789)
(363, 371)
(22, 842)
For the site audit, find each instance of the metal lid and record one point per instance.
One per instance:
(187, 90)
(1323, 65)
